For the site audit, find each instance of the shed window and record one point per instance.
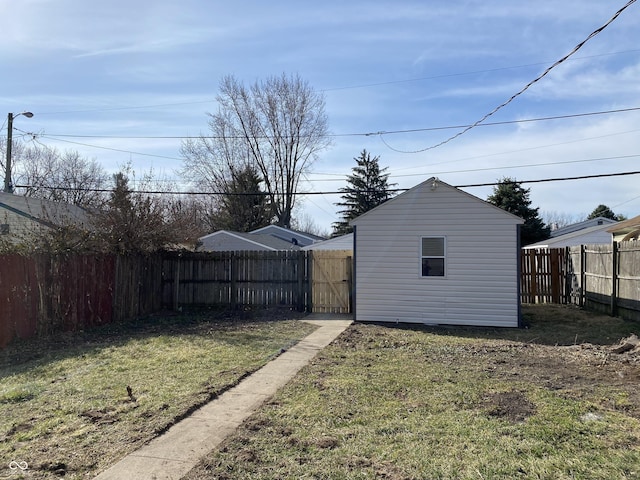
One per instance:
(432, 255)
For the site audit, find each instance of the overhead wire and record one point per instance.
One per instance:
(391, 190)
(63, 137)
(524, 89)
(362, 134)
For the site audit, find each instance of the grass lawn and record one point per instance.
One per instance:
(65, 408)
(546, 402)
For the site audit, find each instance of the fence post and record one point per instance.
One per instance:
(567, 277)
(534, 276)
(614, 279)
(583, 275)
(233, 268)
(301, 284)
(176, 284)
(555, 275)
(310, 281)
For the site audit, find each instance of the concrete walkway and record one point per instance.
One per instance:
(179, 449)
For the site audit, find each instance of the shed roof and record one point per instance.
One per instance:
(433, 184)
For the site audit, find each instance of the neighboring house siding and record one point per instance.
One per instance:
(28, 216)
(480, 286)
(20, 228)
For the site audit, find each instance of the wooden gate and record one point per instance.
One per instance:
(331, 280)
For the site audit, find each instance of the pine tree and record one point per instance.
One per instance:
(246, 206)
(606, 212)
(510, 196)
(367, 188)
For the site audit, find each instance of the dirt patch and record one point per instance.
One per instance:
(571, 371)
(513, 406)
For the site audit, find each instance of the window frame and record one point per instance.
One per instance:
(443, 256)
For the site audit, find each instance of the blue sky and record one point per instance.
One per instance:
(151, 68)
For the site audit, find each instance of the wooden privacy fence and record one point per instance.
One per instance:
(331, 281)
(605, 278)
(543, 275)
(242, 278)
(318, 281)
(43, 294)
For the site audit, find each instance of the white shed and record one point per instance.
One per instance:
(437, 255)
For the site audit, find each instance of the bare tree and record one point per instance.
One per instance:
(47, 173)
(277, 126)
(557, 219)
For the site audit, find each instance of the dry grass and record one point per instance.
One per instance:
(75, 405)
(452, 403)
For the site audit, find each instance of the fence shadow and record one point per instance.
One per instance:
(24, 354)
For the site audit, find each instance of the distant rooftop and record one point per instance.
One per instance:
(574, 227)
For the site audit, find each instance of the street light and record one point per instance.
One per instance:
(8, 185)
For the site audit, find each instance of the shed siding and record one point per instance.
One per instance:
(480, 286)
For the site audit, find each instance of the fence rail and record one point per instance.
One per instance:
(605, 278)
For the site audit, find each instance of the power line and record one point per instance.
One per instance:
(391, 190)
(365, 134)
(558, 179)
(107, 148)
(524, 89)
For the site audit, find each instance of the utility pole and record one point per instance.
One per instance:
(8, 187)
(8, 184)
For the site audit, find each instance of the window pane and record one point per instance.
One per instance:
(433, 267)
(433, 247)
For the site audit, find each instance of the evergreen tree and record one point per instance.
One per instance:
(367, 188)
(246, 206)
(606, 212)
(510, 196)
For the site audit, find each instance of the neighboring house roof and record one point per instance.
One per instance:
(301, 238)
(626, 230)
(593, 222)
(598, 234)
(225, 240)
(44, 213)
(343, 242)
